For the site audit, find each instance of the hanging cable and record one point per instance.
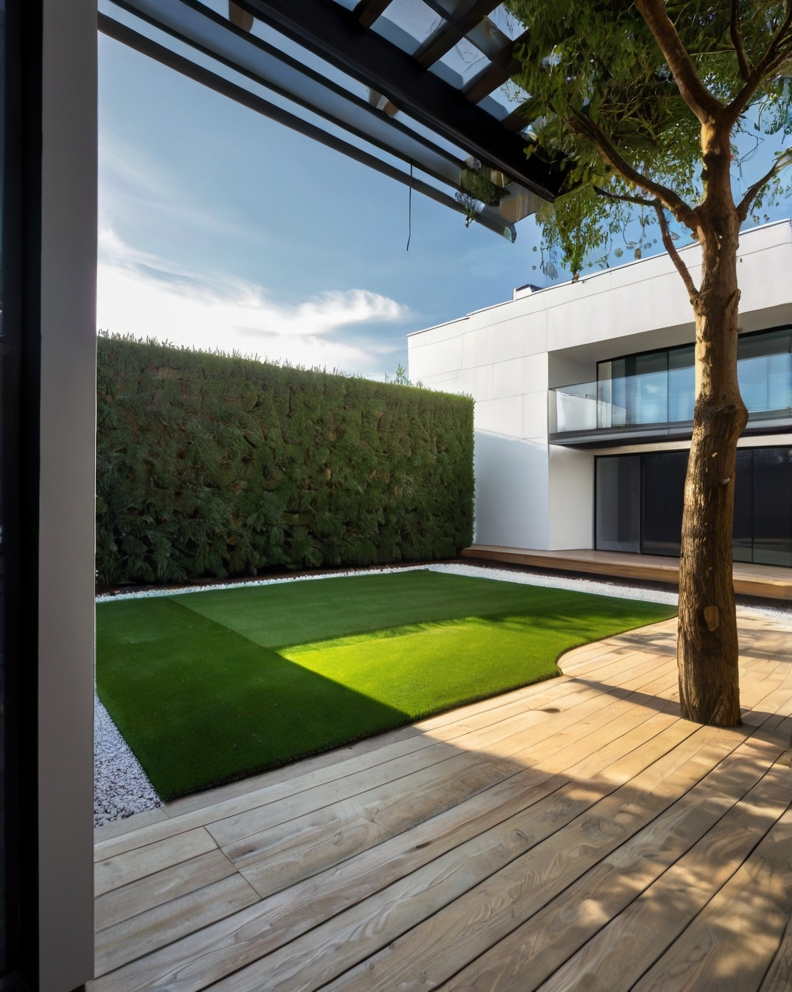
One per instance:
(409, 209)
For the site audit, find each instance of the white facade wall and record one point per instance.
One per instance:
(531, 494)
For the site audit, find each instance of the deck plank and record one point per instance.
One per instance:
(517, 733)
(770, 581)
(169, 921)
(779, 974)
(518, 703)
(649, 889)
(122, 869)
(484, 888)
(733, 940)
(152, 890)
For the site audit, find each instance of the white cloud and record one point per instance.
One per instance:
(147, 296)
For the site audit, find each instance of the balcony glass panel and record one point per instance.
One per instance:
(658, 387)
(574, 408)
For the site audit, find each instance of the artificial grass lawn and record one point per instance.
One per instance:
(211, 686)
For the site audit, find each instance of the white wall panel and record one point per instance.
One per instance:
(570, 499)
(520, 375)
(511, 492)
(764, 277)
(506, 340)
(477, 381)
(500, 416)
(534, 415)
(437, 358)
(446, 383)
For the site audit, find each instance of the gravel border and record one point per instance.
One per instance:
(122, 788)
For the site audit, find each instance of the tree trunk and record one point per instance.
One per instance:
(707, 651)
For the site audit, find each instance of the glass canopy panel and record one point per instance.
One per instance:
(464, 60)
(493, 108)
(506, 22)
(443, 71)
(325, 27)
(407, 23)
(508, 97)
(489, 39)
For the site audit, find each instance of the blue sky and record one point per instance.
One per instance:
(220, 228)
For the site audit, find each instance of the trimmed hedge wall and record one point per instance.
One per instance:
(210, 466)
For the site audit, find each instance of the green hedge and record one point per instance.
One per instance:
(210, 466)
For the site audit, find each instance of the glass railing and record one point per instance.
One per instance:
(666, 397)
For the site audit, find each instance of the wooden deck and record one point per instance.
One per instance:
(573, 835)
(765, 581)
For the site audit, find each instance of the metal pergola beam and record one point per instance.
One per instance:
(334, 34)
(213, 35)
(367, 11)
(488, 217)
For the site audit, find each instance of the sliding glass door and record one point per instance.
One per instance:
(618, 499)
(639, 504)
(663, 484)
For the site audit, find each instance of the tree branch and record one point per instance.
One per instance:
(676, 258)
(695, 94)
(683, 213)
(734, 31)
(753, 191)
(624, 197)
(773, 54)
(668, 241)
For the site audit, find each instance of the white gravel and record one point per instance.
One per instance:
(122, 787)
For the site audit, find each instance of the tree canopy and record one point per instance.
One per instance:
(604, 98)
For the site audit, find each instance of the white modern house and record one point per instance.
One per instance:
(584, 403)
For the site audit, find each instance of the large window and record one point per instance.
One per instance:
(772, 505)
(765, 370)
(657, 387)
(618, 513)
(662, 488)
(639, 504)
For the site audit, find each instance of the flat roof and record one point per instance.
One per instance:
(588, 278)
